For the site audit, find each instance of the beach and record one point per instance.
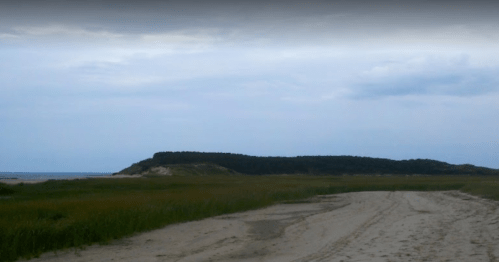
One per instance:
(361, 226)
(34, 181)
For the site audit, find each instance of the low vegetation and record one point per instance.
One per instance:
(36, 218)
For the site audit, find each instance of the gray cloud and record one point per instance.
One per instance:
(427, 76)
(471, 84)
(276, 22)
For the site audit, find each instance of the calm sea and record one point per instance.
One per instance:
(49, 175)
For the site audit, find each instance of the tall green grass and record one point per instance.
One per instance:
(60, 214)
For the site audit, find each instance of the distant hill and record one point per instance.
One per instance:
(313, 165)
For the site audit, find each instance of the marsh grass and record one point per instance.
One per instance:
(36, 218)
(5, 190)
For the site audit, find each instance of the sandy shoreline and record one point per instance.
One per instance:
(364, 226)
(34, 181)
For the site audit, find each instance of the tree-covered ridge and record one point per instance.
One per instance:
(316, 165)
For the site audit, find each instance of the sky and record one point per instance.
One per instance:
(96, 85)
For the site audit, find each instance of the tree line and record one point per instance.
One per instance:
(314, 165)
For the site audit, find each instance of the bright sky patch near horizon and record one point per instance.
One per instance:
(94, 86)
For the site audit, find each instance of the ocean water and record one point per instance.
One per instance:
(48, 175)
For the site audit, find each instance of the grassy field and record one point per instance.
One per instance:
(36, 218)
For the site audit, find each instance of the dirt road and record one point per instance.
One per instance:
(366, 226)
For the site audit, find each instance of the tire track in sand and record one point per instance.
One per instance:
(334, 247)
(363, 226)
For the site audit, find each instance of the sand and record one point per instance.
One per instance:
(365, 226)
(33, 181)
(19, 181)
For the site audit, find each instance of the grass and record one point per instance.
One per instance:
(35, 218)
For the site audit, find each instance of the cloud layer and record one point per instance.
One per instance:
(100, 85)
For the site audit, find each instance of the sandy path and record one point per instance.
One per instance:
(366, 226)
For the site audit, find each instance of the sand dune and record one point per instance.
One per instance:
(365, 226)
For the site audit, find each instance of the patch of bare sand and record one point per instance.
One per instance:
(365, 226)
(19, 181)
(117, 176)
(34, 181)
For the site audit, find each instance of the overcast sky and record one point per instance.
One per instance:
(98, 85)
